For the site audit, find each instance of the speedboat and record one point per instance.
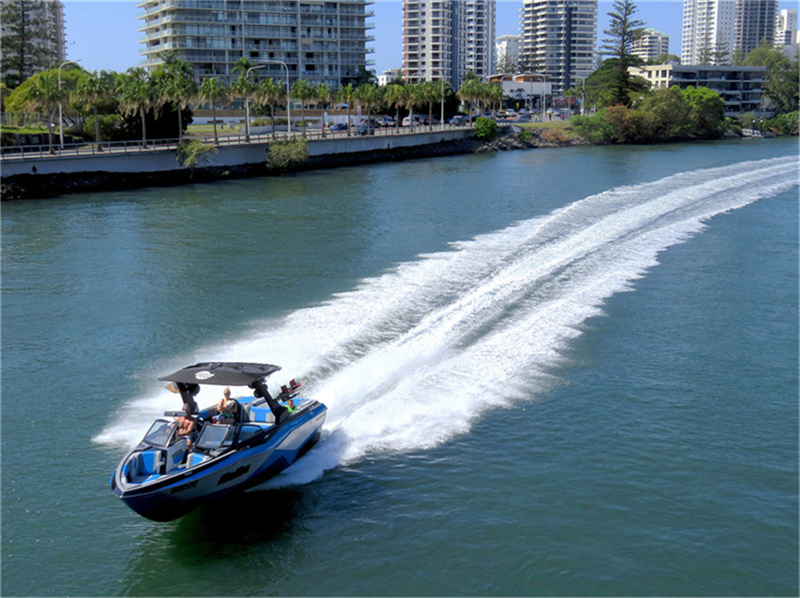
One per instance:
(164, 476)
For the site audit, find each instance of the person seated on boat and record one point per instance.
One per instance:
(290, 406)
(227, 409)
(187, 425)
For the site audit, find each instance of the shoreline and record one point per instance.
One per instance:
(49, 186)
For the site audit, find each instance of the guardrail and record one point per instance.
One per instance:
(34, 152)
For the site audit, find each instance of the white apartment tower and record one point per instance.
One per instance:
(708, 31)
(507, 53)
(447, 38)
(558, 39)
(479, 38)
(320, 41)
(651, 45)
(785, 27)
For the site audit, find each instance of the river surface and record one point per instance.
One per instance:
(551, 372)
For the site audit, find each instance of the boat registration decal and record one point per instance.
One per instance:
(234, 474)
(204, 375)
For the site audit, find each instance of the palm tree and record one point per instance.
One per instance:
(324, 95)
(344, 95)
(136, 94)
(270, 93)
(368, 96)
(242, 87)
(94, 90)
(470, 92)
(44, 95)
(176, 85)
(411, 98)
(393, 95)
(429, 93)
(213, 91)
(302, 90)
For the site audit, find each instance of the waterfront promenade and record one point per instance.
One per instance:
(232, 150)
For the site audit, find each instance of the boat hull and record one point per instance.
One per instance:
(171, 496)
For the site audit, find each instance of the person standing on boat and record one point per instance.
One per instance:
(227, 409)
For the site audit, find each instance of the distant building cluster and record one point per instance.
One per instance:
(716, 31)
(328, 41)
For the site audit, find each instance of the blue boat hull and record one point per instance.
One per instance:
(168, 497)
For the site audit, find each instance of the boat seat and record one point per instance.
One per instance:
(261, 415)
(195, 459)
(145, 466)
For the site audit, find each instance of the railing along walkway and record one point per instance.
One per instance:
(32, 152)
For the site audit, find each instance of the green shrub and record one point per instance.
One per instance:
(190, 153)
(110, 125)
(485, 128)
(592, 128)
(283, 154)
(525, 135)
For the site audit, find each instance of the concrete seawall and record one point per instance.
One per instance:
(50, 176)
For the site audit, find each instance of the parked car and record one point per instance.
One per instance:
(363, 129)
(459, 119)
(374, 123)
(338, 127)
(419, 119)
(386, 121)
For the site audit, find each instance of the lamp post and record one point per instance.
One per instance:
(583, 92)
(288, 99)
(60, 119)
(247, 105)
(543, 97)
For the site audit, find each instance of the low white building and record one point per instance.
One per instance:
(741, 87)
(530, 88)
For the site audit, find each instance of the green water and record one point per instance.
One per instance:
(552, 372)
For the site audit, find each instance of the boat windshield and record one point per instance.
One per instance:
(214, 436)
(159, 433)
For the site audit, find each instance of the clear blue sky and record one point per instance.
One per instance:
(103, 35)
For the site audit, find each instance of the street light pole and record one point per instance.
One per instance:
(288, 99)
(60, 119)
(583, 92)
(543, 98)
(247, 105)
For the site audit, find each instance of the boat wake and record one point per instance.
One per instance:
(412, 358)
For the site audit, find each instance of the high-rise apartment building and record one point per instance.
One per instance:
(558, 39)
(479, 38)
(507, 54)
(32, 37)
(786, 27)
(448, 38)
(708, 31)
(317, 40)
(755, 22)
(651, 45)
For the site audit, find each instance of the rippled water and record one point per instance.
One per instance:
(550, 372)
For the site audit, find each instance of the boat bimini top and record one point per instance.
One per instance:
(187, 381)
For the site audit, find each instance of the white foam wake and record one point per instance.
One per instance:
(411, 358)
